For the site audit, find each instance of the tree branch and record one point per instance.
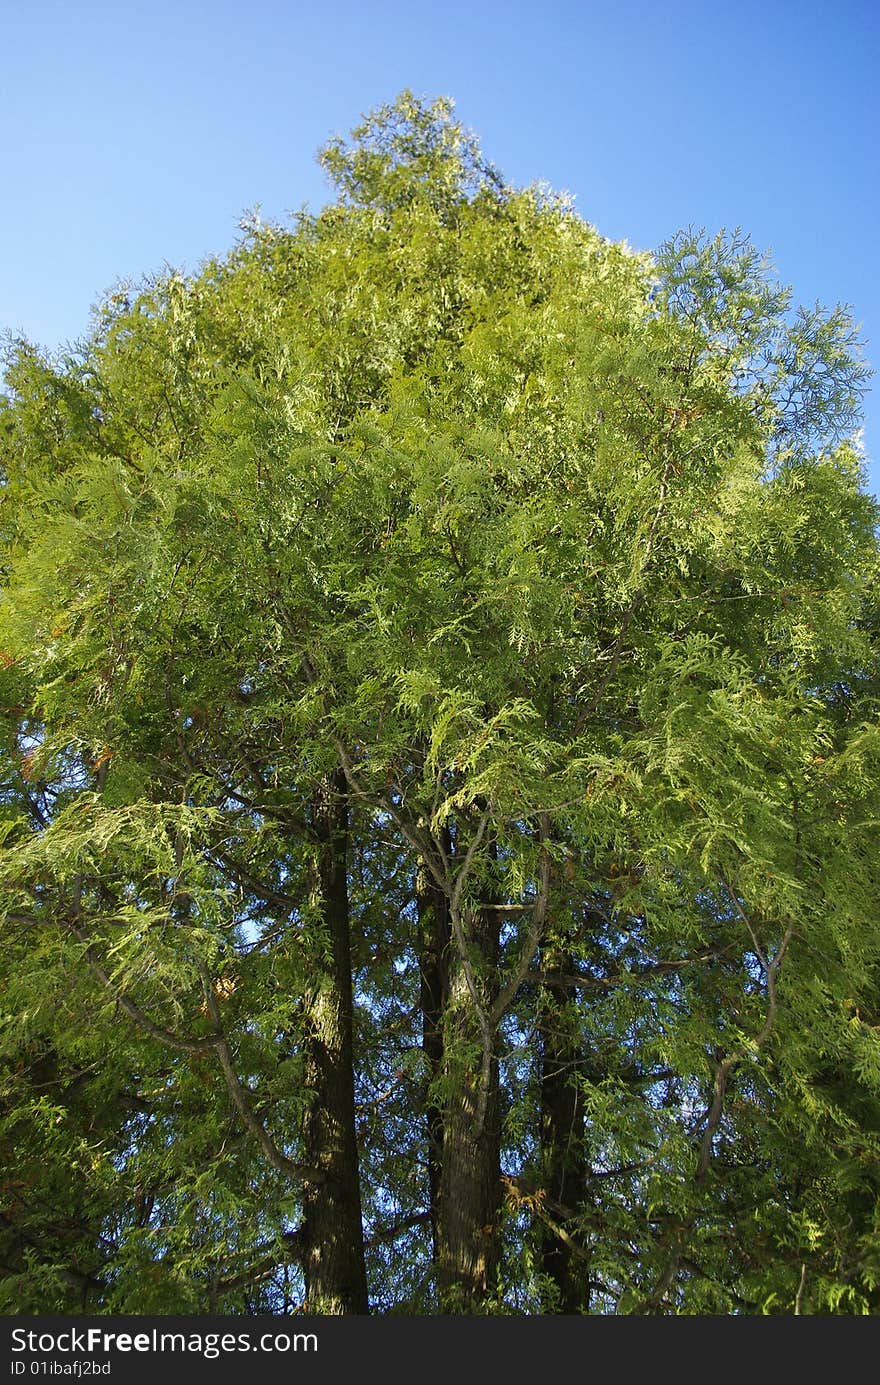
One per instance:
(539, 913)
(242, 1098)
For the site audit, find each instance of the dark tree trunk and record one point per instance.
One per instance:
(434, 940)
(332, 1228)
(565, 1171)
(470, 1182)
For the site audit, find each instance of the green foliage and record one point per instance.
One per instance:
(557, 549)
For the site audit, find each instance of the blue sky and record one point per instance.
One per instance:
(138, 134)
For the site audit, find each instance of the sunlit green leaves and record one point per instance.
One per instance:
(563, 553)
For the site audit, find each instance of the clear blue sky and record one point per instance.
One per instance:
(138, 133)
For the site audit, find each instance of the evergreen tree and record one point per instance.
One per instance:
(440, 773)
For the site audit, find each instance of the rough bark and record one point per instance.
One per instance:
(332, 1228)
(470, 1182)
(434, 941)
(565, 1172)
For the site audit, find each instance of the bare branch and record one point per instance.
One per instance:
(539, 913)
(242, 1097)
(799, 1296)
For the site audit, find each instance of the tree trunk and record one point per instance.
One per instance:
(470, 1182)
(332, 1228)
(565, 1170)
(434, 941)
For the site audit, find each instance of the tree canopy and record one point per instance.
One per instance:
(438, 652)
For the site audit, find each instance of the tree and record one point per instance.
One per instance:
(440, 773)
